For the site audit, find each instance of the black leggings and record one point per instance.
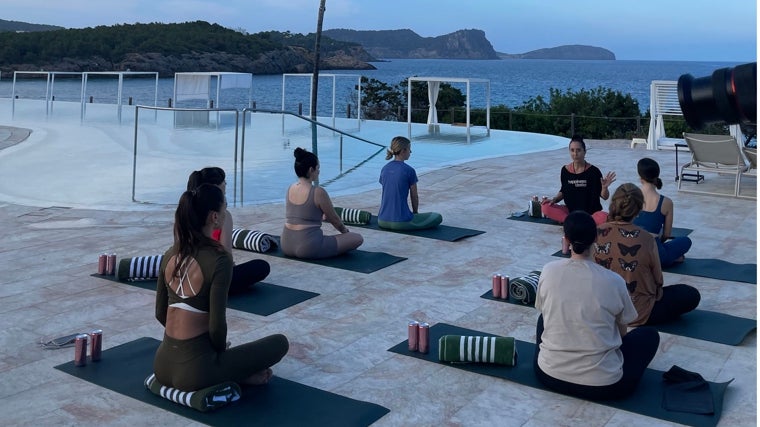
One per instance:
(638, 348)
(246, 274)
(193, 364)
(676, 300)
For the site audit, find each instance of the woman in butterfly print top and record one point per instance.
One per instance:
(631, 251)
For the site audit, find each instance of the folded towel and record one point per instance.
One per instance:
(139, 268)
(523, 289)
(459, 348)
(204, 400)
(252, 240)
(353, 216)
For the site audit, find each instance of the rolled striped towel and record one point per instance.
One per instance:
(523, 289)
(534, 209)
(139, 268)
(460, 348)
(353, 216)
(204, 400)
(252, 240)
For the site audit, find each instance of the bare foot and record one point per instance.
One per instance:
(259, 378)
(679, 259)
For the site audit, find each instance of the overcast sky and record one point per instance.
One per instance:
(692, 30)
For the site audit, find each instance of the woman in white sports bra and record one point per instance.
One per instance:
(191, 304)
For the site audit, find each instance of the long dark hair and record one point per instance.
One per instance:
(580, 230)
(190, 218)
(208, 175)
(649, 171)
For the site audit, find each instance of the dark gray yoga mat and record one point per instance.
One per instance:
(442, 232)
(262, 298)
(356, 260)
(699, 324)
(280, 403)
(708, 267)
(646, 400)
(523, 216)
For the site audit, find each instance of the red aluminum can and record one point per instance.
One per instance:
(565, 246)
(111, 265)
(496, 286)
(80, 350)
(424, 338)
(96, 344)
(102, 260)
(413, 335)
(504, 287)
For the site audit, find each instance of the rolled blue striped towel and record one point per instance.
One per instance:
(139, 268)
(460, 349)
(353, 216)
(204, 400)
(252, 240)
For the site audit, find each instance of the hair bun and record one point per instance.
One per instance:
(299, 152)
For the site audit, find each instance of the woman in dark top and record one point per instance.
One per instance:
(191, 304)
(581, 186)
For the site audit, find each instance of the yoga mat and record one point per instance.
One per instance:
(646, 400)
(698, 324)
(708, 267)
(523, 216)
(262, 298)
(280, 403)
(441, 232)
(356, 260)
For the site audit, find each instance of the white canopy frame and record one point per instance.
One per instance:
(434, 84)
(334, 77)
(50, 87)
(197, 85)
(663, 101)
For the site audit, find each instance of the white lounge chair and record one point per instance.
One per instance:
(751, 155)
(714, 153)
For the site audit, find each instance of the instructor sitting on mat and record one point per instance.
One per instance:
(583, 349)
(243, 275)
(305, 207)
(191, 303)
(399, 182)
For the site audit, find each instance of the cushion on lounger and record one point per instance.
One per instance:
(523, 289)
(460, 348)
(353, 216)
(204, 400)
(252, 240)
(139, 268)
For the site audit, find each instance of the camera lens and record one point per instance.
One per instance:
(729, 95)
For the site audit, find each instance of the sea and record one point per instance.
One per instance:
(512, 83)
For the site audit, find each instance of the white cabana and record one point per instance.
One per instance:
(334, 84)
(50, 87)
(434, 85)
(197, 86)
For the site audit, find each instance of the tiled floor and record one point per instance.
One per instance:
(339, 339)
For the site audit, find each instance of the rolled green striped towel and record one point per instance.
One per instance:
(460, 348)
(523, 289)
(252, 240)
(353, 216)
(139, 268)
(204, 400)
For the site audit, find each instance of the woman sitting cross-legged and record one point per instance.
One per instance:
(305, 207)
(631, 252)
(191, 304)
(583, 349)
(656, 216)
(399, 182)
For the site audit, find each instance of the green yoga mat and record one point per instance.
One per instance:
(646, 400)
(699, 324)
(709, 267)
(441, 232)
(356, 260)
(262, 299)
(280, 403)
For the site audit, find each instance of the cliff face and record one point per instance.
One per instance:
(462, 44)
(564, 52)
(289, 60)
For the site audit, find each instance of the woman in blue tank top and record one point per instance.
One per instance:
(657, 215)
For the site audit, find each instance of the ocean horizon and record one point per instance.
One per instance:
(512, 82)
